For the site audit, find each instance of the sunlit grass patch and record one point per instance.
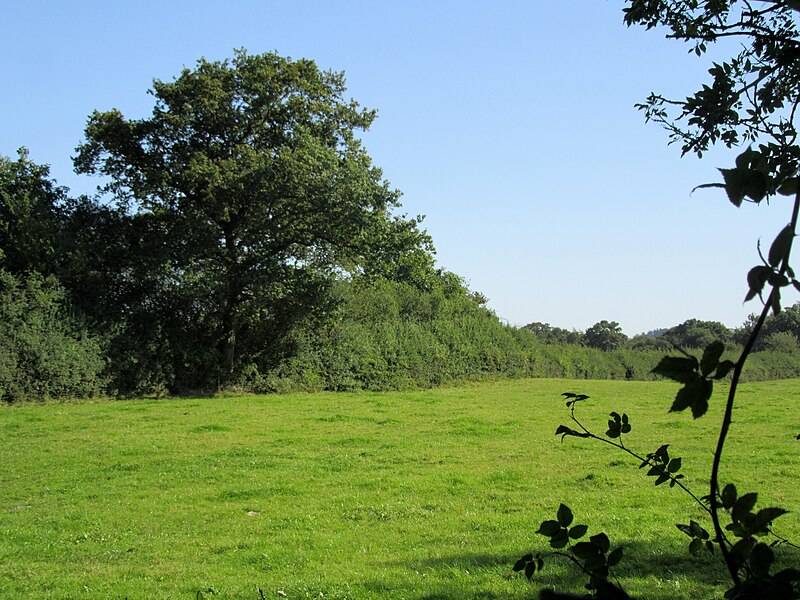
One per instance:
(430, 494)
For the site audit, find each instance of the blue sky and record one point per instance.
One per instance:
(510, 125)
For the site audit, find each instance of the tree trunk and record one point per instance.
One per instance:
(230, 310)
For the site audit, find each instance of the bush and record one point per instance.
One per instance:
(43, 352)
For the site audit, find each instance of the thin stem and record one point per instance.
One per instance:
(727, 417)
(621, 446)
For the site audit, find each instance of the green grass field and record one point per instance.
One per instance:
(429, 495)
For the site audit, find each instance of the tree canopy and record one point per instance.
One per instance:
(252, 171)
(30, 216)
(605, 335)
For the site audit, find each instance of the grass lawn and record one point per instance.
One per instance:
(428, 494)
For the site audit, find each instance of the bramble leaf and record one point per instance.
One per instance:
(530, 569)
(724, 368)
(564, 431)
(601, 541)
(756, 279)
(696, 546)
(677, 368)
(549, 528)
(743, 505)
(788, 187)
(585, 550)
(564, 515)
(711, 356)
(780, 247)
(559, 540)
(520, 564)
(694, 394)
(614, 557)
(764, 517)
(788, 575)
(735, 185)
(578, 531)
(728, 496)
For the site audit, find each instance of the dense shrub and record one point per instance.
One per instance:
(43, 353)
(394, 335)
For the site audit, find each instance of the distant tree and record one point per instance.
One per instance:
(785, 322)
(605, 335)
(31, 212)
(549, 334)
(253, 171)
(781, 341)
(694, 333)
(644, 341)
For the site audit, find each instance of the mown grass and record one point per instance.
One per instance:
(429, 495)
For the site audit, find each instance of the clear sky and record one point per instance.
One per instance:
(510, 125)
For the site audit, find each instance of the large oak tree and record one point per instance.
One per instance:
(253, 169)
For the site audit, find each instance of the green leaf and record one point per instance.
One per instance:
(585, 550)
(735, 185)
(764, 517)
(744, 181)
(695, 395)
(614, 557)
(677, 368)
(756, 185)
(696, 546)
(530, 569)
(780, 246)
(597, 565)
(564, 431)
(756, 278)
(745, 159)
(549, 528)
(788, 187)
(711, 356)
(601, 541)
(743, 548)
(564, 515)
(788, 575)
(578, 531)
(777, 280)
(560, 539)
(698, 530)
(724, 368)
(674, 465)
(520, 564)
(761, 559)
(728, 496)
(743, 505)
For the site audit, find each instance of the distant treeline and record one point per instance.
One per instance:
(781, 333)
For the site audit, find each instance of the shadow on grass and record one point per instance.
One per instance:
(642, 561)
